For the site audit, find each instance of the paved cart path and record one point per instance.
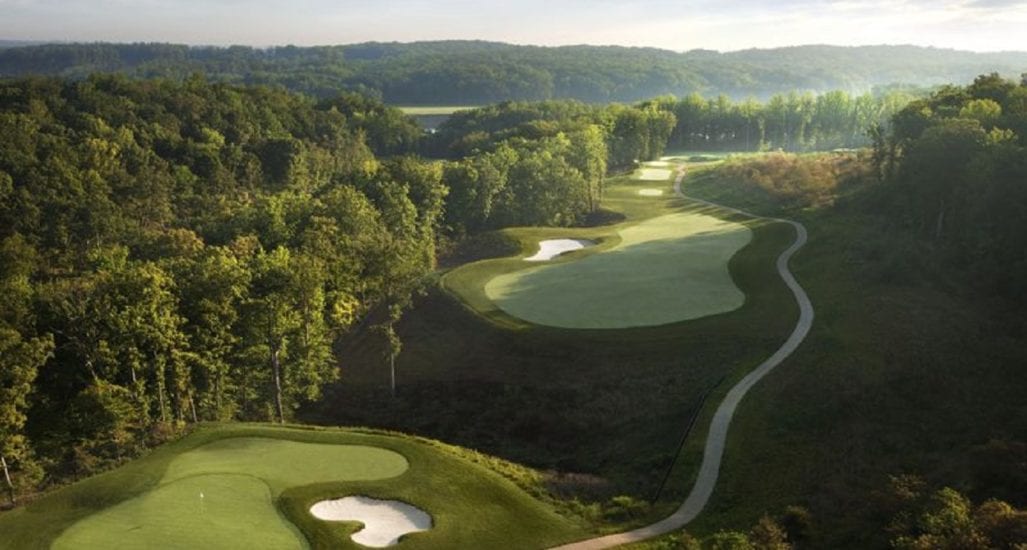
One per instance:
(717, 436)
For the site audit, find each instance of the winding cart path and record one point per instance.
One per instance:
(717, 436)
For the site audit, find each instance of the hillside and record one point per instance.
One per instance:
(474, 72)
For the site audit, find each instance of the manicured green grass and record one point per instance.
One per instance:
(664, 270)
(239, 479)
(235, 511)
(467, 282)
(258, 483)
(307, 462)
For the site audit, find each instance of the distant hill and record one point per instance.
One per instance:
(20, 43)
(474, 72)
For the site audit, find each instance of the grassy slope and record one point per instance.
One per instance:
(446, 482)
(239, 479)
(905, 371)
(612, 404)
(236, 511)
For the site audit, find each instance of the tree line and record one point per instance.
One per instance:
(475, 72)
(788, 122)
(541, 163)
(914, 516)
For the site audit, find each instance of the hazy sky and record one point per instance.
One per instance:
(983, 25)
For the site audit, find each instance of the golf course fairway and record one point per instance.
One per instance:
(221, 495)
(665, 269)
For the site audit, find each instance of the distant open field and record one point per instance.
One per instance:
(429, 110)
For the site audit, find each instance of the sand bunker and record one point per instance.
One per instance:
(650, 192)
(657, 163)
(653, 174)
(547, 250)
(385, 521)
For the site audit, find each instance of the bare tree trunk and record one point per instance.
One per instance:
(160, 372)
(217, 395)
(138, 397)
(7, 477)
(192, 407)
(392, 370)
(277, 368)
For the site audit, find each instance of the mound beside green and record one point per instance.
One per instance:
(258, 482)
(667, 269)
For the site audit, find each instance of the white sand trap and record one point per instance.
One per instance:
(385, 521)
(650, 192)
(547, 250)
(657, 164)
(653, 174)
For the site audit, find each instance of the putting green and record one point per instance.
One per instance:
(665, 269)
(236, 511)
(221, 495)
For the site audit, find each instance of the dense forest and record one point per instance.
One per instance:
(185, 251)
(956, 163)
(475, 72)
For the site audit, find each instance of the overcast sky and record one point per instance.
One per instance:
(982, 25)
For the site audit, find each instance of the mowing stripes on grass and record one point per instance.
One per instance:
(667, 269)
